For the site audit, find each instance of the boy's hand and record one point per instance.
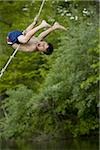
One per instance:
(36, 19)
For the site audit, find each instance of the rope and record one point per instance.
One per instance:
(9, 60)
(12, 56)
(40, 8)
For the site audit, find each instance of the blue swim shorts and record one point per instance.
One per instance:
(13, 37)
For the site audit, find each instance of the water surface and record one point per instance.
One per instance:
(86, 144)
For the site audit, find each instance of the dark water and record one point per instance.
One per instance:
(86, 144)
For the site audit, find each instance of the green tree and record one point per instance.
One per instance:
(66, 101)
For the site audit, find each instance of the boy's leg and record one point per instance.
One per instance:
(51, 29)
(27, 37)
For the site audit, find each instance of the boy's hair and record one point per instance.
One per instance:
(49, 50)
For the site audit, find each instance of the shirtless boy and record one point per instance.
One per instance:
(29, 42)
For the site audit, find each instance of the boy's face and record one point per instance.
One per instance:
(42, 46)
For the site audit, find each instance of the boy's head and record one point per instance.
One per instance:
(46, 48)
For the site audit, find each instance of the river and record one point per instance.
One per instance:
(69, 144)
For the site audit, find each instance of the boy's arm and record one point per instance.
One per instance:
(31, 26)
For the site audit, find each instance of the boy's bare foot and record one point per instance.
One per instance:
(45, 24)
(58, 26)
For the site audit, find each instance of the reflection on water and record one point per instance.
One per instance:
(87, 144)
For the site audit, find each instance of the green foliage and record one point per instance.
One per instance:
(60, 95)
(71, 81)
(25, 69)
(16, 112)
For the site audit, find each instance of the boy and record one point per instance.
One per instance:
(28, 42)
